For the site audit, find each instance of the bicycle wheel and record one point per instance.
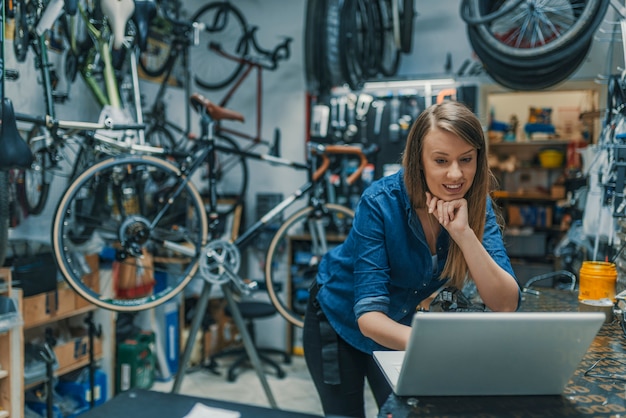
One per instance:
(307, 233)
(158, 53)
(144, 218)
(36, 180)
(538, 28)
(4, 215)
(225, 27)
(231, 172)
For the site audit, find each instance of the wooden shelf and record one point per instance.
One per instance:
(58, 317)
(530, 144)
(11, 357)
(63, 370)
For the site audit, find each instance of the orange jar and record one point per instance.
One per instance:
(597, 280)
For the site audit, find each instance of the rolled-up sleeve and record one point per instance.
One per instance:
(371, 266)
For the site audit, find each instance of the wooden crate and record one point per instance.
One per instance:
(45, 307)
(75, 353)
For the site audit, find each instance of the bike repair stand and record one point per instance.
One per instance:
(243, 331)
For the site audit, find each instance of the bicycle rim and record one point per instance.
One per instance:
(147, 224)
(225, 26)
(4, 214)
(295, 252)
(537, 28)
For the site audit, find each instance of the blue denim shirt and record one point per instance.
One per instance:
(385, 264)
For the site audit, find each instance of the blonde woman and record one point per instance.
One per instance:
(429, 226)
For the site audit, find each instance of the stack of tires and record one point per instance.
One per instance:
(532, 44)
(348, 42)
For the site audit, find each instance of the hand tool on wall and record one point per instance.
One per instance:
(379, 105)
(362, 107)
(351, 128)
(394, 116)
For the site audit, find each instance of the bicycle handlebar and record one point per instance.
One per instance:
(281, 52)
(325, 150)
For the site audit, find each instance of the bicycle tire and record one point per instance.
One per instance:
(331, 42)
(156, 231)
(231, 175)
(390, 59)
(314, 54)
(578, 17)
(529, 79)
(337, 221)
(158, 53)
(352, 43)
(224, 25)
(21, 34)
(36, 180)
(407, 17)
(4, 215)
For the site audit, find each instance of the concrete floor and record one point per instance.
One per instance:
(294, 392)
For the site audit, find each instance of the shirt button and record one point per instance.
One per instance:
(403, 310)
(424, 285)
(415, 292)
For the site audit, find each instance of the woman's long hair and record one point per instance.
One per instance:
(456, 118)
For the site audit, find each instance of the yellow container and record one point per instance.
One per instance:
(551, 158)
(597, 281)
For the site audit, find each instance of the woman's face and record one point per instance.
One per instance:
(449, 164)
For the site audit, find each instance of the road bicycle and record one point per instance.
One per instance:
(145, 211)
(178, 40)
(172, 43)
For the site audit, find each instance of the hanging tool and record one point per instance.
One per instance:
(379, 105)
(362, 107)
(351, 128)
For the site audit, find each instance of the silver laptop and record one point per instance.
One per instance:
(490, 353)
